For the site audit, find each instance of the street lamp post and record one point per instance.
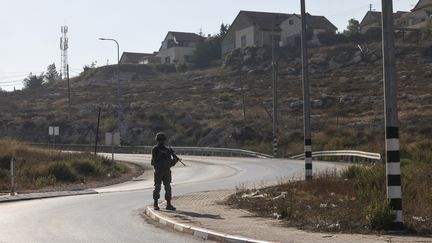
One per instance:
(118, 80)
(118, 48)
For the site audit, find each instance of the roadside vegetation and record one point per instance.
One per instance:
(353, 201)
(42, 169)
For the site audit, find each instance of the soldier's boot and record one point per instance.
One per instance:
(170, 206)
(155, 205)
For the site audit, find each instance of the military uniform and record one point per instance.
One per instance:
(162, 161)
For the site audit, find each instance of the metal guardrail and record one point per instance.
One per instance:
(208, 151)
(200, 151)
(343, 153)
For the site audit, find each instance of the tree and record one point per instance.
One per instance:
(89, 67)
(209, 49)
(52, 74)
(33, 81)
(224, 30)
(353, 28)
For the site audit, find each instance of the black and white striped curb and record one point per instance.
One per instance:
(198, 232)
(32, 196)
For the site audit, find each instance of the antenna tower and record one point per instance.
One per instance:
(64, 46)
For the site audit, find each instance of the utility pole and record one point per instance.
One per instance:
(12, 175)
(97, 131)
(275, 130)
(243, 98)
(394, 191)
(306, 98)
(69, 96)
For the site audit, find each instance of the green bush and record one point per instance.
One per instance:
(122, 168)
(181, 67)
(62, 172)
(353, 171)
(87, 167)
(166, 68)
(284, 208)
(5, 162)
(233, 57)
(369, 181)
(419, 151)
(45, 181)
(380, 215)
(3, 174)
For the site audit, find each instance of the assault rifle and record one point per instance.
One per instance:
(175, 157)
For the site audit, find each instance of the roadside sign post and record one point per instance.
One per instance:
(112, 138)
(54, 131)
(12, 175)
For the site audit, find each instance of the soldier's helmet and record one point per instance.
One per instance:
(160, 137)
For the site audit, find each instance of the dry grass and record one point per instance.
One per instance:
(344, 203)
(38, 168)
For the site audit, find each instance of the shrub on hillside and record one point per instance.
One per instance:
(353, 171)
(328, 39)
(419, 151)
(45, 181)
(3, 174)
(380, 215)
(233, 57)
(87, 167)
(181, 67)
(166, 68)
(62, 172)
(121, 168)
(5, 162)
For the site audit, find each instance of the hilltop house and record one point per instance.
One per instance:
(178, 47)
(139, 58)
(420, 14)
(372, 19)
(416, 19)
(260, 28)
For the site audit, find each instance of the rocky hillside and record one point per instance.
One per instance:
(204, 107)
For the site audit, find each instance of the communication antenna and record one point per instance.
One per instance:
(64, 46)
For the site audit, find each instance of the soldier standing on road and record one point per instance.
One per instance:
(162, 161)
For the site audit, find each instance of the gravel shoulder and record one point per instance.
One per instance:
(207, 210)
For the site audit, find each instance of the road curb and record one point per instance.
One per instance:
(33, 196)
(201, 233)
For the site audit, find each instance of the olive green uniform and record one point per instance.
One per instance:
(162, 161)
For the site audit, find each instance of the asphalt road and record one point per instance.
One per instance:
(114, 215)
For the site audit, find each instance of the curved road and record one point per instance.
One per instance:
(115, 215)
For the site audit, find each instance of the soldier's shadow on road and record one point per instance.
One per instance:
(197, 215)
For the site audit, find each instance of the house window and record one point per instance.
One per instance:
(291, 22)
(170, 43)
(243, 41)
(167, 60)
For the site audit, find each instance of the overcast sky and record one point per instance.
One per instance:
(30, 29)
